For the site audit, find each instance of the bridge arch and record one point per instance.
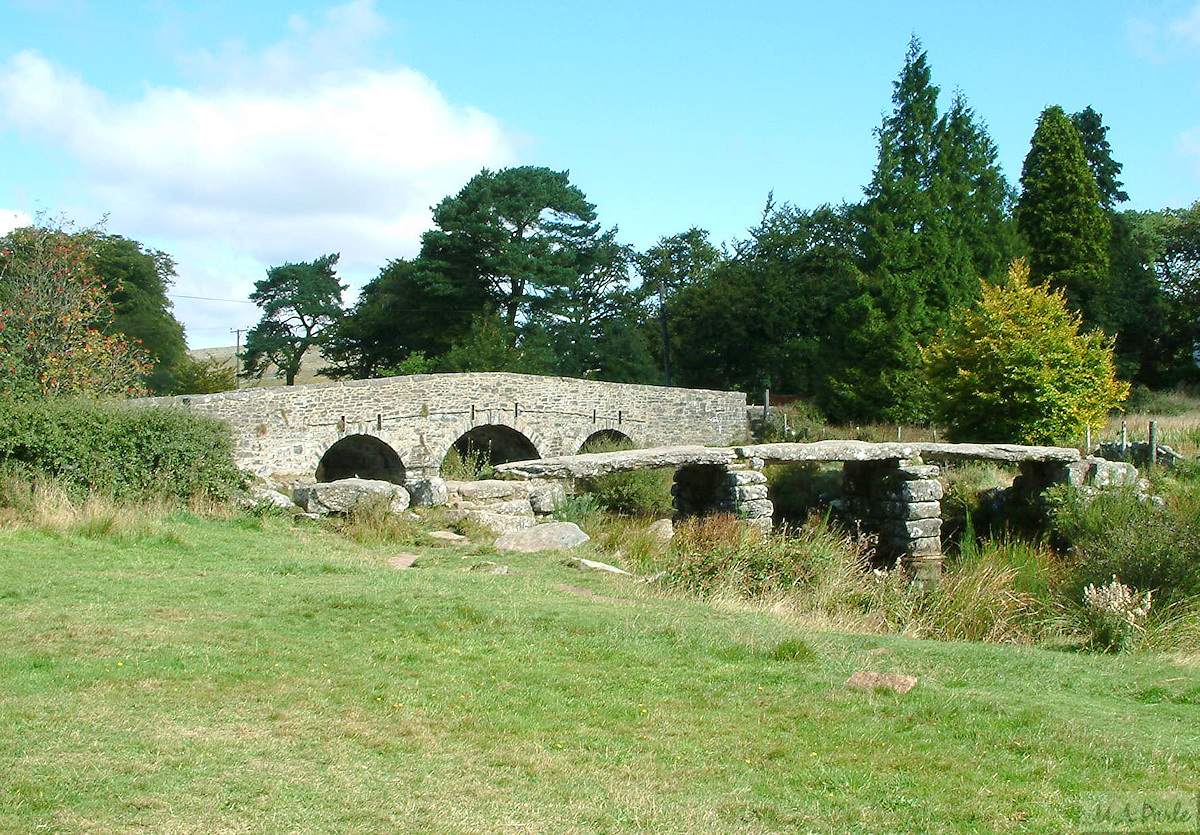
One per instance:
(499, 443)
(606, 440)
(361, 456)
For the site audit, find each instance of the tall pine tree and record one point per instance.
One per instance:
(1061, 217)
(933, 225)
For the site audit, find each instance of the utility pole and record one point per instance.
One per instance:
(666, 341)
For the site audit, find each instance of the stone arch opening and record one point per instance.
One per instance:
(361, 456)
(701, 489)
(606, 440)
(494, 444)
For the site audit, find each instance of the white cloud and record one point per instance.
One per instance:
(286, 154)
(1187, 28)
(11, 219)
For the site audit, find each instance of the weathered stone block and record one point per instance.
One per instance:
(512, 507)
(500, 523)
(919, 491)
(751, 492)
(552, 536)
(428, 492)
(918, 472)
(756, 508)
(547, 498)
(913, 529)
(912, 510)
(741, 478)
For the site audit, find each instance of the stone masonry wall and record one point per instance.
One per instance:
(284, 431)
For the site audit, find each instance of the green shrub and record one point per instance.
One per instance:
(637, 492)
(121, 451)
(1150, 548)
(476, 464)
(1016, 368)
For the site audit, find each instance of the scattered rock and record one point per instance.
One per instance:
(870, 682)
(343, 495)
(449, 537)
(581, 563)
(264, 497)
(547, 498)
(510, 507)
(428, 492)
(663, 530)
(487, 567)
(403, 561)
(552, 536)
(499, 523)
(490, 488)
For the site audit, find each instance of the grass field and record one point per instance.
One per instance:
(180, 674)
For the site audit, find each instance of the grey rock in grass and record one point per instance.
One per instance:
(870, 682)
(551, 536)
(428, 492)
(510, 507)
(264, 497)
(449, 537)
(594, 565)
(344, 495)
(500, 523)
(547, 498)
(663, 530)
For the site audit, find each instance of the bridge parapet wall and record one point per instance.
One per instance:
(286, 430)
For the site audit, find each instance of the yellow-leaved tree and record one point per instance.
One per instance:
(1015, 367)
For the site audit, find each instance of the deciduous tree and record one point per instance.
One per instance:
(1016, 367)
(55, 316)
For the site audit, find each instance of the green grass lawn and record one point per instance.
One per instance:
(203, 676)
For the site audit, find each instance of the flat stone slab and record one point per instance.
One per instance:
(867, 451)
(552, 536)
(595, 464)
(603, 463)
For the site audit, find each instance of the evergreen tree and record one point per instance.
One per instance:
(1061, 217)
(933, 225)
(510, 236)
(1093, 134)
(299, 302)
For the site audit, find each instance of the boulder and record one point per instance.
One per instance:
(344, 495)
(264, 497)
(510, 507)
(500, 523)
(551, 536)
(663, 530)
(547, 498)
(490, 489)
(428, 492)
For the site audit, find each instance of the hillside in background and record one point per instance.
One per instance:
(314, 360)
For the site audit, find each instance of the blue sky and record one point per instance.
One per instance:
(237, 135)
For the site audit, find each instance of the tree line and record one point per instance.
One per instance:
(838, 304)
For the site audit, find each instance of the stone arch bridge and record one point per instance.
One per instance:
(400, 428)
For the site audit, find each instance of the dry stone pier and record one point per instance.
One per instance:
(893, 489)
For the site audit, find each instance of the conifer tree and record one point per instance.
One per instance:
(1061, 217)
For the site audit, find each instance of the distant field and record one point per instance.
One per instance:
(182, 674)
(313, 361)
